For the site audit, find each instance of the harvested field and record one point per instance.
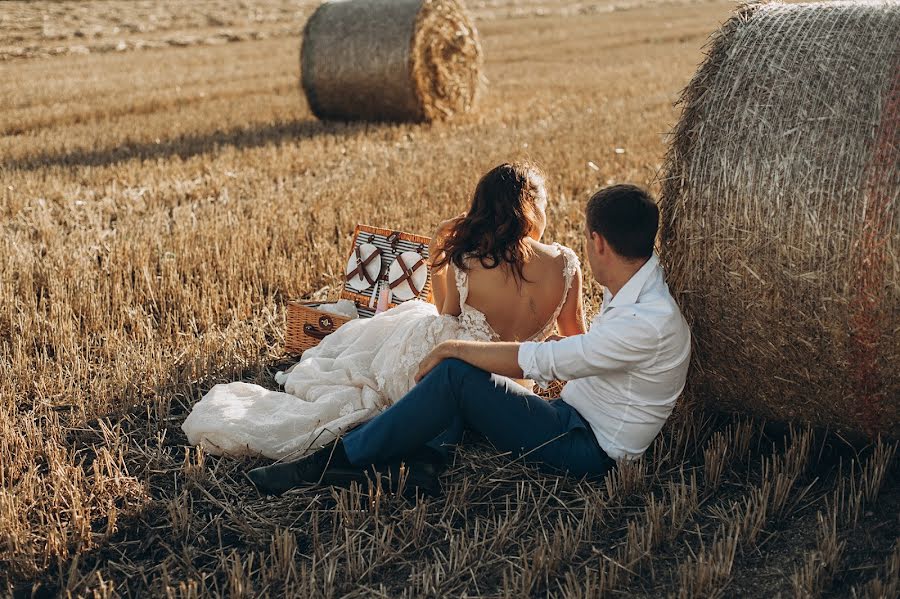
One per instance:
(158, 207)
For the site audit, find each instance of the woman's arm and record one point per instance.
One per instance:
(438, 280)
(439, 276)
(439, 286)
(571, 318)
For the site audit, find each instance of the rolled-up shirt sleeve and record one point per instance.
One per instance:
(613, 345)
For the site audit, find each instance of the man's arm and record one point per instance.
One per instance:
(618, 345)
(497, 357)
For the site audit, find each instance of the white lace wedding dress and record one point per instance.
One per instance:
(355, 372)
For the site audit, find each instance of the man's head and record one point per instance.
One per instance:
(621, 229)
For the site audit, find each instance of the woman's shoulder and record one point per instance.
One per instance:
(554, 251)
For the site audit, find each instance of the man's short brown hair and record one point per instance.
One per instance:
(627, 217)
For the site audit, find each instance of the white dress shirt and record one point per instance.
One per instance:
(628, 370)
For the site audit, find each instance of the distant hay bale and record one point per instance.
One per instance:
(781, 227)
(391, 60)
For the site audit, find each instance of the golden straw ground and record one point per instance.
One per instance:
(155, 221)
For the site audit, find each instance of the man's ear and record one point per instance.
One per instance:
(599, 242)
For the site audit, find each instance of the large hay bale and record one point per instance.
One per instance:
(780, 220)
(391, 60)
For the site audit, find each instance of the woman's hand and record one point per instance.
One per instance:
(436, 247)
(436, 356)
(445, 226)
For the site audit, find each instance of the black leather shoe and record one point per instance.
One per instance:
(422, 477)
(278, 478)
(416, 476)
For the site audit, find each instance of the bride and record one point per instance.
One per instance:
(493, 280)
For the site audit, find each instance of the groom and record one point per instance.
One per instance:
(624, 375)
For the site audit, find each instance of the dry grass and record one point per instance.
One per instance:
(155, 219)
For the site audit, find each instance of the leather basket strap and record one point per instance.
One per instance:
(361, 265)
(407, 275)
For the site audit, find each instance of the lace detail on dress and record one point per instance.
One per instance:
(571, 267)
(475, 322)
(394, 373)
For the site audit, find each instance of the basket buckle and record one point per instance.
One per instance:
(326, 327)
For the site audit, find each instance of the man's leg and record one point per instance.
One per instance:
(447, 440)
(429, 410)
(510, 417)
(381, 443)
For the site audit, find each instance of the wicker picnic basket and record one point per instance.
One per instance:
(307, 325)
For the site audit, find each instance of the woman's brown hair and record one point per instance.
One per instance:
(504, 211)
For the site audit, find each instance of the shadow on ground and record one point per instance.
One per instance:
(186, 146)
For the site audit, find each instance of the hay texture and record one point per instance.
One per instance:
(780, 227)
(391, 60)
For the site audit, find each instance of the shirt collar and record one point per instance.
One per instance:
(629, 292)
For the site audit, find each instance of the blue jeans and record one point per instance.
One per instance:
(455, 396)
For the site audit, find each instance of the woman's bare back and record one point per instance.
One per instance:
(522, 310)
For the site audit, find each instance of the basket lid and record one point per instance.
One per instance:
(377, 250)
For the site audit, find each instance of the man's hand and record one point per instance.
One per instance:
(440, 353)
(492, 356)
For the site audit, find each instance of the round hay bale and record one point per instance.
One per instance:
(781, 227)
(391, 60)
